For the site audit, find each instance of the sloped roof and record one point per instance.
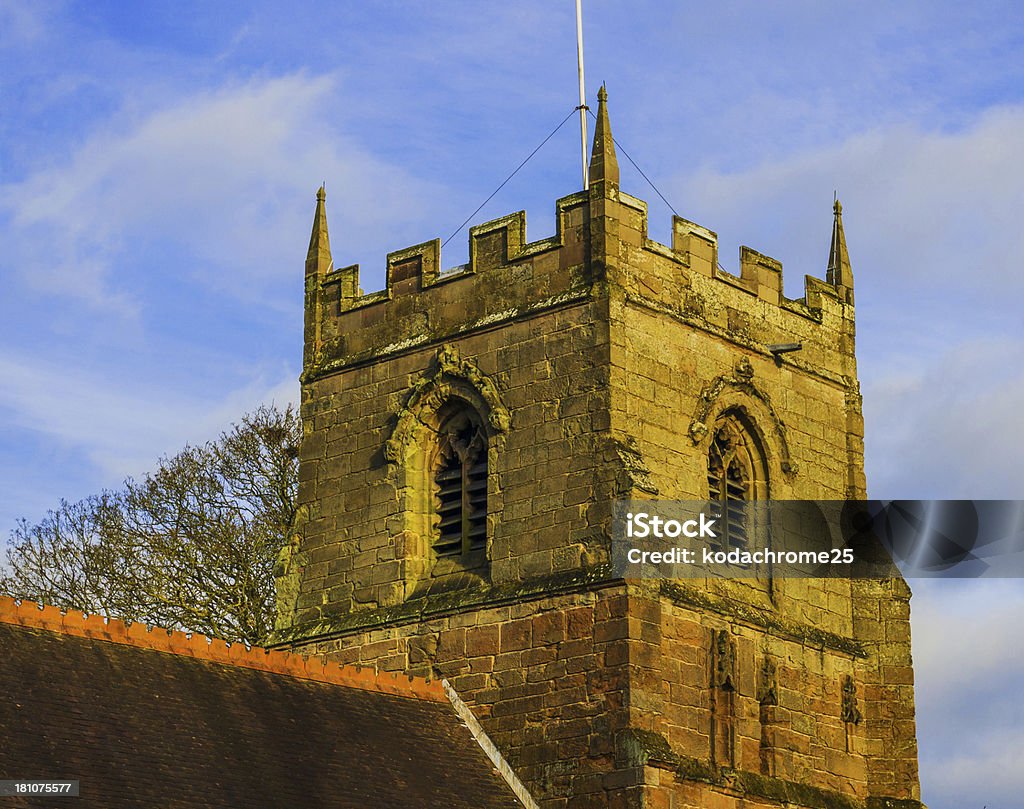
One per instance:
(150, 718)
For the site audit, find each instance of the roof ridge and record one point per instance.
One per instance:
(81, 624)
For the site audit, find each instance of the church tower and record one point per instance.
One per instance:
(466, 436)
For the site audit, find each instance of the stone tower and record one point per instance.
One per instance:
(466, 434)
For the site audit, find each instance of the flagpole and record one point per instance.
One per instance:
(583, 93)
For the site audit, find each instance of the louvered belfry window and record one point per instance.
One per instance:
(730, 483)
(460, 487)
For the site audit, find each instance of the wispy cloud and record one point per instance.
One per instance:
(121, 429)
(948, 426)
(967, 641)
(221, 181)
(987, 648)
(157, 189)
(940, 207)
(20, 23)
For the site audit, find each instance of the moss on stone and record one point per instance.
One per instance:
(438, 605)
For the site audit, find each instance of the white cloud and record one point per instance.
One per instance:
(967, 638)
(986, 766)
(937, 208)
(223, 179)
(120, 429)
(950, 425)
(20, 23)
(967, 634)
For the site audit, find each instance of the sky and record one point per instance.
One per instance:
(158, 165)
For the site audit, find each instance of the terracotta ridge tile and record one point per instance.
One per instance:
(80, 624)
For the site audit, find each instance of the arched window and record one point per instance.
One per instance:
(460, 486)
(736, 475)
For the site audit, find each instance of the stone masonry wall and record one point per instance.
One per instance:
(356, 542)
(689, 342)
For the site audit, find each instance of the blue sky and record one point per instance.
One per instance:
(157, 170)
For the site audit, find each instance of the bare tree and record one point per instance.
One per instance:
(192, 546)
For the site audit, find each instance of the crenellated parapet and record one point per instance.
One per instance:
(492, 246)
(507, 277)
(760, 275)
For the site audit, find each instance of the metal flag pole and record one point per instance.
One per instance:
(583, 93)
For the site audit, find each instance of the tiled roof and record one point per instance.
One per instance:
(147, 718)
